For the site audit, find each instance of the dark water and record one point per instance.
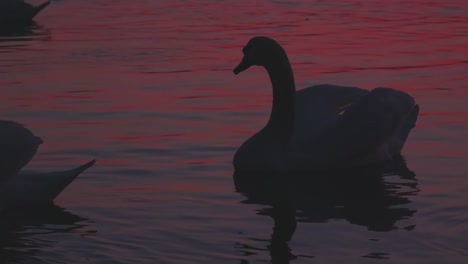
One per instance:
(146, 87)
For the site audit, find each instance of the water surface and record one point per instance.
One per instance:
(146, 87)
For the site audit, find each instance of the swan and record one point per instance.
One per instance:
(18, 11)
(18, 145)
(322, 127)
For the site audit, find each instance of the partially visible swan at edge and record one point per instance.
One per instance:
(19, 11)
(322, 127)
(17, 189)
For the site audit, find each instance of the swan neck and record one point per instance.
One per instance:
(282, 81)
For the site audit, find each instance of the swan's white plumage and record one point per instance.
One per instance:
(332, 126)
(18, 145)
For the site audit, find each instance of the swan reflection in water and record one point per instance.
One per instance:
(24, 233)
(366, 197)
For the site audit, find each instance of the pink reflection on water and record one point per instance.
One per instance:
(146, 87)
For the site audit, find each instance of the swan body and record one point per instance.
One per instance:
(18, 145)
(322, 127)
(18, 11)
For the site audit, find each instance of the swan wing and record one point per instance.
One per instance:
(18, 145)
(316, 107)
(365, 130)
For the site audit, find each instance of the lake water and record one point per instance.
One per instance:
(146, 87)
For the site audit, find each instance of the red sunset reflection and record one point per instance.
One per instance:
(146, 88)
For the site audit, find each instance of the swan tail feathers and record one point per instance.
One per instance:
(409, 124)
(39, 8)
(64, 178)
(28, 189)
(84, 167)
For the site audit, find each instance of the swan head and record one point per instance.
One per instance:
(258, 51)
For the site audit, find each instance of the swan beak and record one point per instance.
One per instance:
(243, 65)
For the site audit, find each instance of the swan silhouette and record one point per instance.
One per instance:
(18, 11)
(18, 145)
(322, 127)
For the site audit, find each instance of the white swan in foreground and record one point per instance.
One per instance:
(17, 189)
(322, 127)
(18, 11)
